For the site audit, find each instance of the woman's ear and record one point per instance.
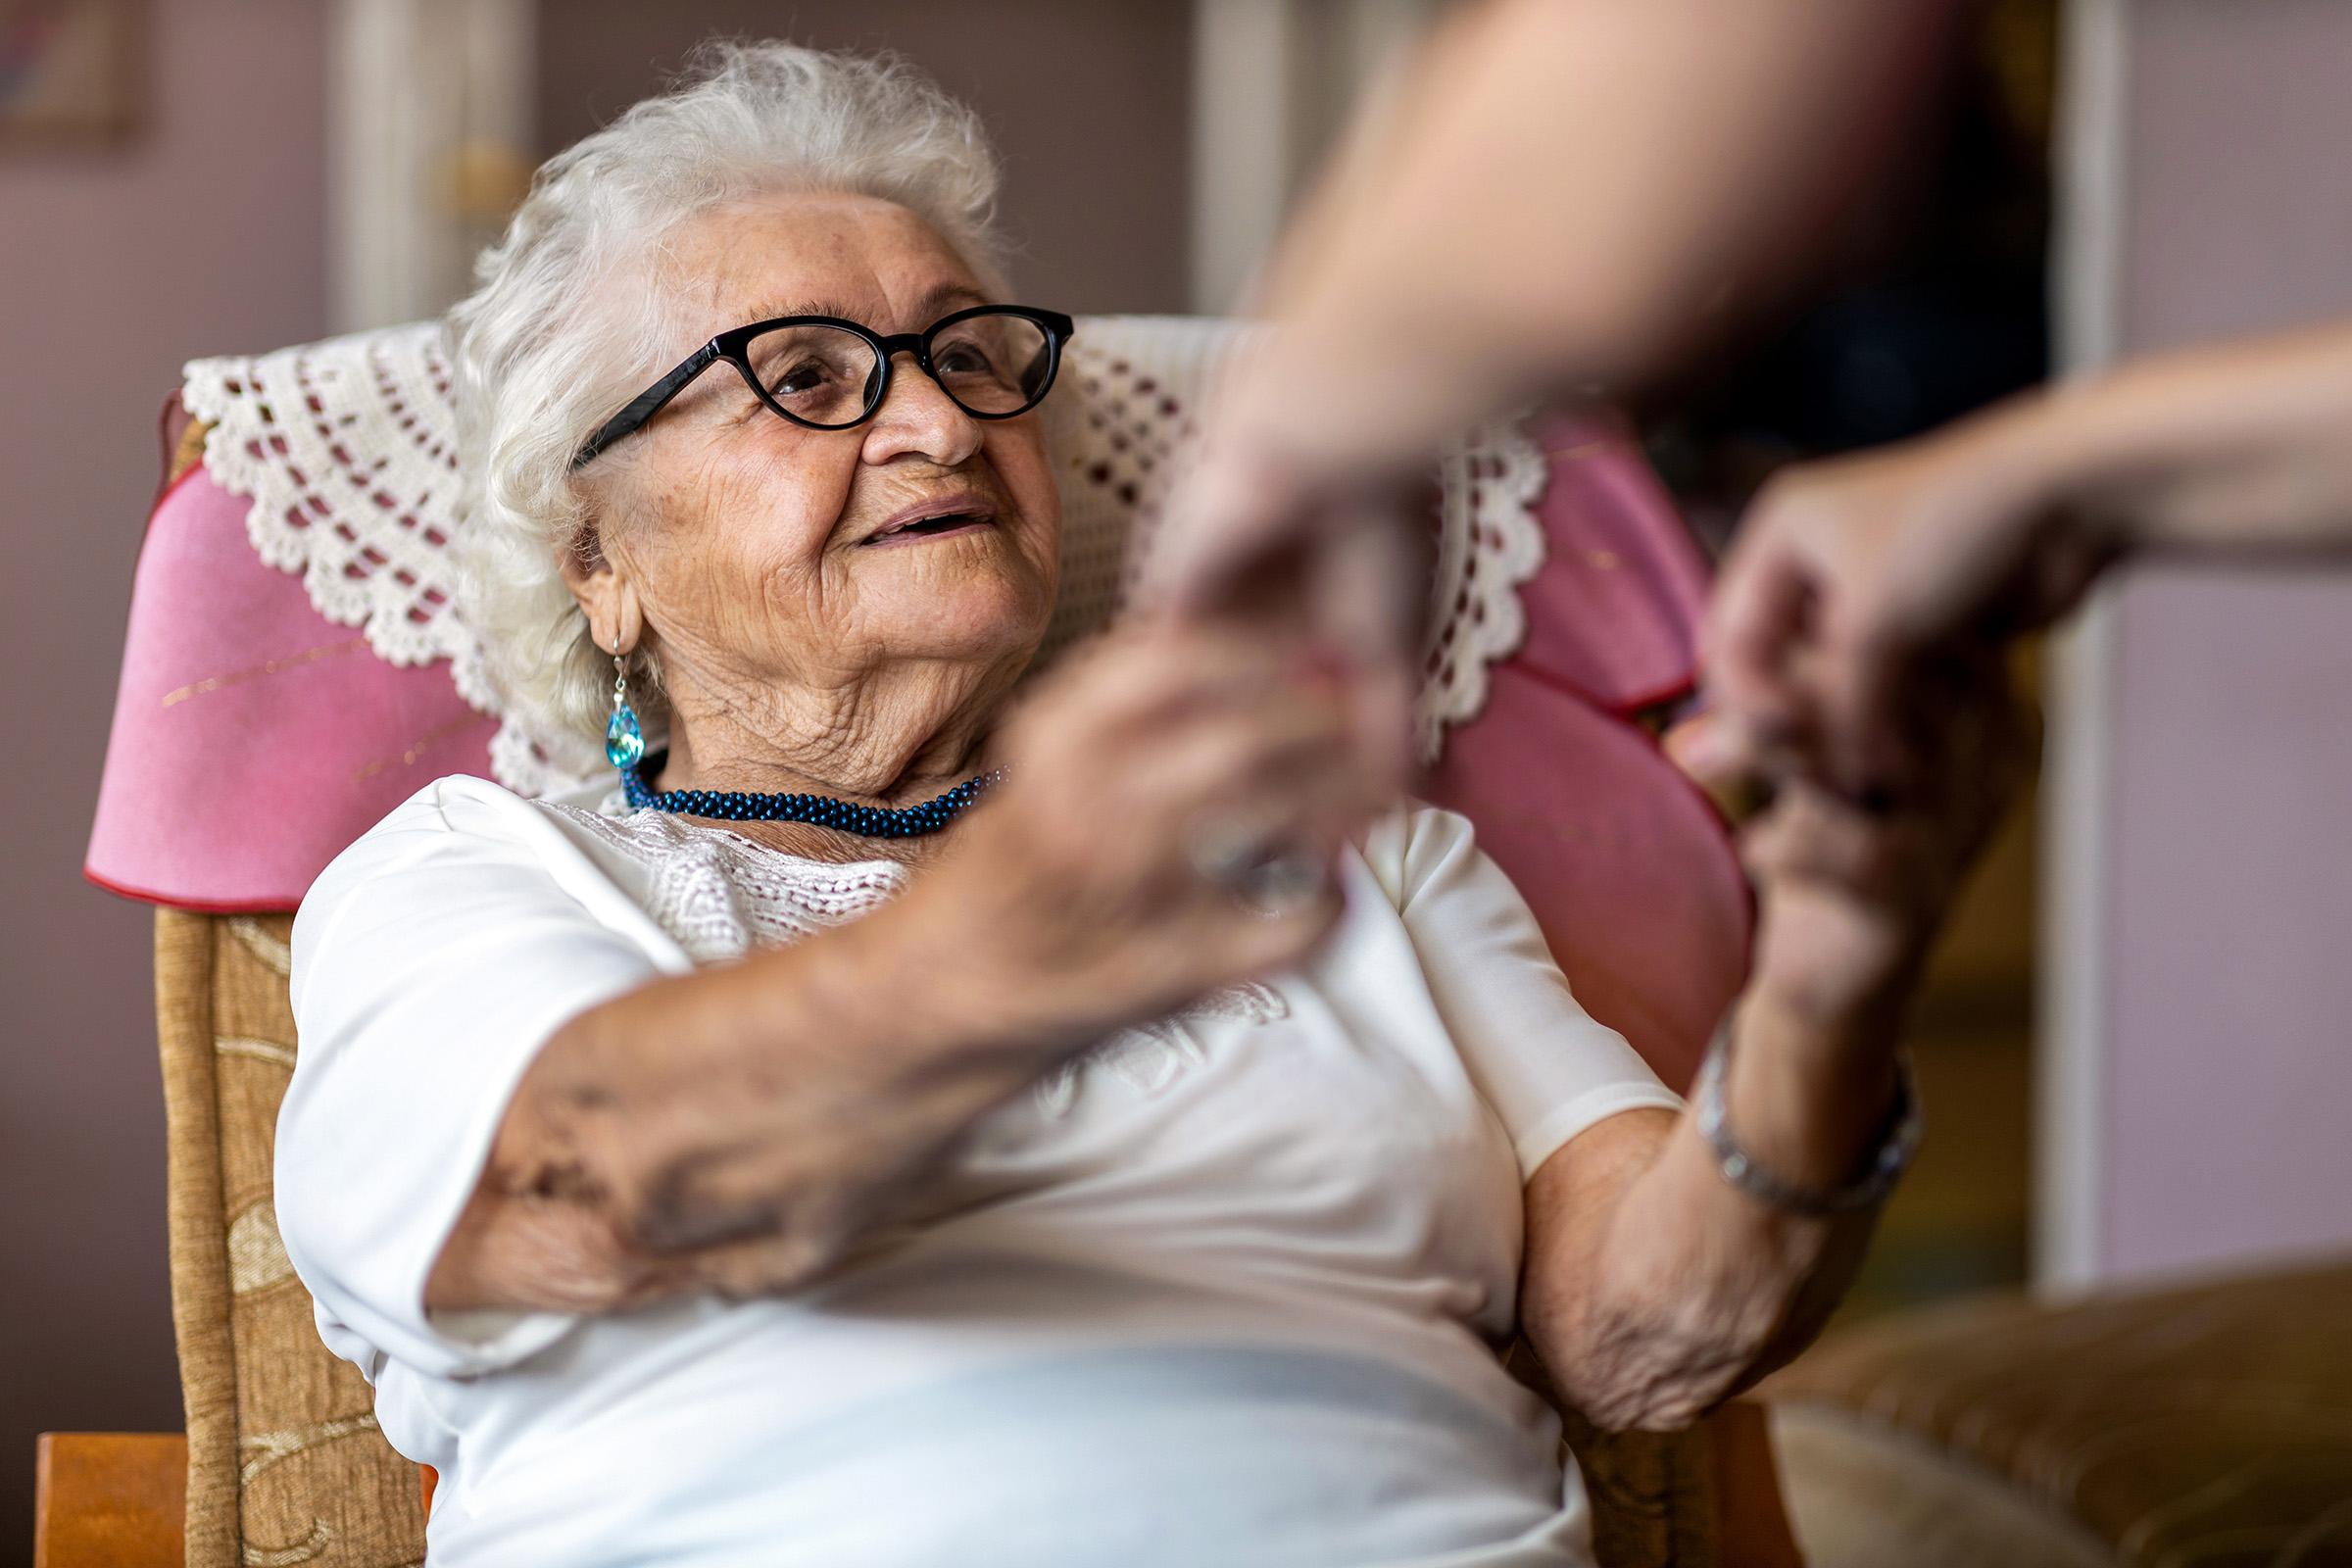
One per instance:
(606, 596)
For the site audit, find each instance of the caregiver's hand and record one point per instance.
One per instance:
(741, 1128)
(1845, 572)
(1849, 571)
(1850, 895)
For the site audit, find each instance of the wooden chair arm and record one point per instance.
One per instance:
(110, 1499)
(1751, 1518)
(1705, 1498)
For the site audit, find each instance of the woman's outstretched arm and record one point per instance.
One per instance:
(1655, 1286)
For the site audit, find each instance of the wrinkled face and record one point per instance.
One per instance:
(904, 566)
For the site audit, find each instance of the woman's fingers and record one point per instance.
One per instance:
(1852, 573)
(1810, 835)
(1852, 893)
(1239, 814)
(1798, 654)
(1756, 622)
(1177, 799)
(1271, 747)
(1176, 714)
(1131, 688)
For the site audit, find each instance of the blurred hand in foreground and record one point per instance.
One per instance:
(1559, 196)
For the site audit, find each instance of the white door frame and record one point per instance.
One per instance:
(2091, 167)
(431, 140)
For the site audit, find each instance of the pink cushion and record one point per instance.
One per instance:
(1615, 610)
(1628, 867)
(1625, 863)
(253, 738)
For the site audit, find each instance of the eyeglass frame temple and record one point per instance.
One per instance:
(1058, 330)
(648, 403)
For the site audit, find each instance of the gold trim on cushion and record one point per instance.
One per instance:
(188, 451)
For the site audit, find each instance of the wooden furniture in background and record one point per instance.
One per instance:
(110, 1499)
(2207, 1424)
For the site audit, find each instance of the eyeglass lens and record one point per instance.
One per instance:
(990, 364)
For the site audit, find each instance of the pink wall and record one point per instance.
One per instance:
(206, 235)
(2238, 213)
(2229, 896)
(2230, 920)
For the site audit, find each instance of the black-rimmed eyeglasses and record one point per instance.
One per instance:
(993, 362)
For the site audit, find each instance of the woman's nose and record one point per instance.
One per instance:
(918, 416)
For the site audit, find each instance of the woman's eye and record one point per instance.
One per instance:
(805, 376)
(961, 359)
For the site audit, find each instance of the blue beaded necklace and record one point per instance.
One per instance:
(822, 810)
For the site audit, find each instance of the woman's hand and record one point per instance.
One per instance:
(1851, 892)
(1081, 885)
(742, 1128)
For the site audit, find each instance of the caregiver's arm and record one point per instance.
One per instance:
(739, 1128)
(1562, 192)
(1847, 568)
(1655, 1286)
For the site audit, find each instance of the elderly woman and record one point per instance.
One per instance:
(772, 1161)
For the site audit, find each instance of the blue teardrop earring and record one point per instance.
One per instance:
(624, 741)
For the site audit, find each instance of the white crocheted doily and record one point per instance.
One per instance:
(349, 451)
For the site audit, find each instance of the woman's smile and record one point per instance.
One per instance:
(941, 517)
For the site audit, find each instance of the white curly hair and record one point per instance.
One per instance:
(538, 369)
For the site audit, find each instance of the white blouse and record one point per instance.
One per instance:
(1223, 1291)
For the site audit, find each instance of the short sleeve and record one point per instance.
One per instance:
(1546, 1067)
(431, 961)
